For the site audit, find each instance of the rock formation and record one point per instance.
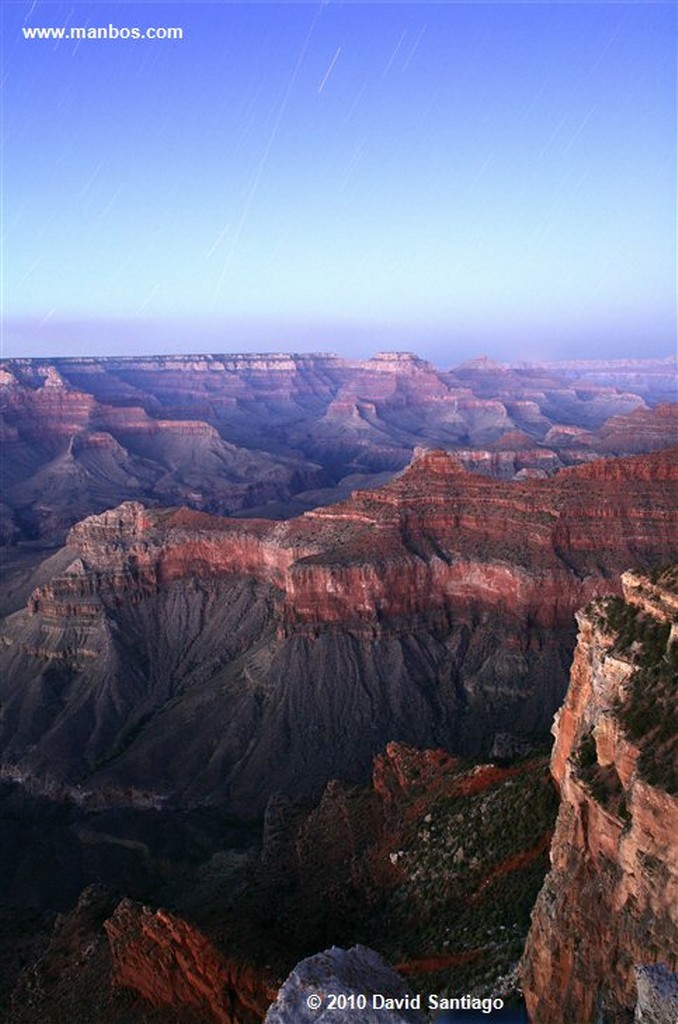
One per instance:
(435, 864)
(171, 963)
(436, 611)
(352, 975)
(113, 961)
(610, 902)
(284, 433)
(657, 995)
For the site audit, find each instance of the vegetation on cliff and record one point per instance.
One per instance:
(608, 903)
(602, 781)
(647, 708)
(440, 878)
(473, 873)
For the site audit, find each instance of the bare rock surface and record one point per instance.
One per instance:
(610, 901)
(353, 973)
(657, 995)
(281, 433)
(436, 611)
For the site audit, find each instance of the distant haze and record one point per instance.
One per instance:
(443, 348)
(445, 178)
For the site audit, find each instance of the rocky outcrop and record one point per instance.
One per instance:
(657, 995)
(340, 985)
(110, 960)
(436, 866)
(654, 598)
(400, 769)
(609, 902)
(391, 868)
(171, 963)
(433, 872)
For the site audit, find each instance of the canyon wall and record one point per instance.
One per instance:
(283, 433)
(437, 611)
(610, 902)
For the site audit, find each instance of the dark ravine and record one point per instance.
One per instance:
(435, 864)
(360, 866)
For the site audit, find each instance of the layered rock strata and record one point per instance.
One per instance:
(434, 538)
(283, 433)
(610, 901)
(436, 611)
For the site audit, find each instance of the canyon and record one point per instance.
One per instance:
(436, 865)
(281, 642)
(276, 435)
(436, 610)
(362, 865)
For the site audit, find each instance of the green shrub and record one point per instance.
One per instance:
(649, 713)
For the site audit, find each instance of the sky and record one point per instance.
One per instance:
(446, 178)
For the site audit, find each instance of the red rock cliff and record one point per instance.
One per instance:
(173, 964)
(434, 541)
(611, 899)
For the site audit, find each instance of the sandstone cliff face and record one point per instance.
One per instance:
(435, 538)
(611, 899)
(172, 964)
(436, 611)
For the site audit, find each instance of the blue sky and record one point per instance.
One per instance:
(448, 178)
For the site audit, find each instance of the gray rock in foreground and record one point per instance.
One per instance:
(657, 995)
(347, 973)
